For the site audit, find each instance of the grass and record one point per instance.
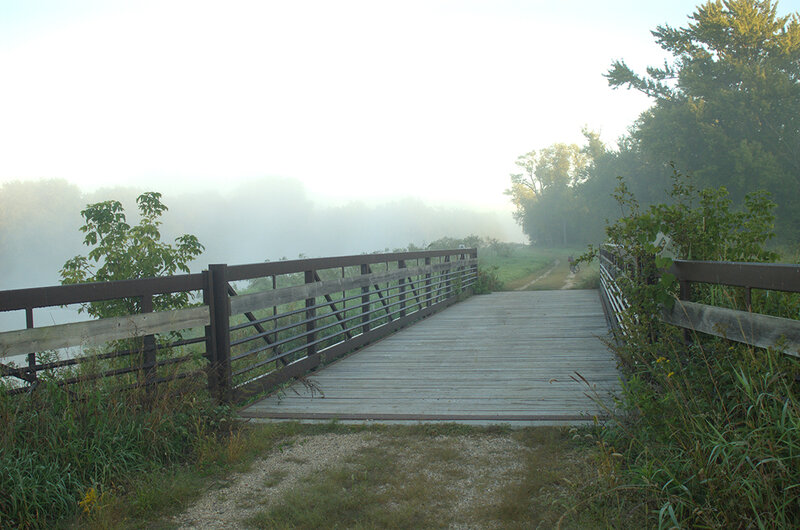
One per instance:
(63, 452)
(433, 477)
(109, 460)
(418, 476)
(521, 264)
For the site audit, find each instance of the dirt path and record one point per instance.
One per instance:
(569, 282)
(540, 277)
(468, 472)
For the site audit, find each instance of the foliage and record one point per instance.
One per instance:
(711, 430)
(487, 281)
(122, 252)
(64, 451)
(544, 192)
(726, 109)
(728, 105)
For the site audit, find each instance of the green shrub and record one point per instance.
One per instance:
(487, 281)
(710, 437)
(62, 450)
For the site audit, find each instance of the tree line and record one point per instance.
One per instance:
(726, 110)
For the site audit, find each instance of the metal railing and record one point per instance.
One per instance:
(294, 316)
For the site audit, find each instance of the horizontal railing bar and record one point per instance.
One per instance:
(355, 339)
(320, 305)
(317, 318)
(98, 332)
(257, 270)
(255, 301)
(754, 329)
(770, 276)
(111, 355)
(387, 314)
(18, 299)
(122, 371)
(155, 381)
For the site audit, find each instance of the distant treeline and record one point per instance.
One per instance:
(263, 220)
(726, 112)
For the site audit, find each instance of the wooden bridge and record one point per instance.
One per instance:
(510, 357)
(518, 358)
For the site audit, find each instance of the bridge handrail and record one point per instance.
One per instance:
(372, 304)
(739, 325)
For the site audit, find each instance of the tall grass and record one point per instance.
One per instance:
(63, 451)
(711, 430)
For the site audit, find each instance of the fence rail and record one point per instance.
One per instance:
(294, 316)
(743, 326)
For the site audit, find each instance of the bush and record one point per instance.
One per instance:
(487, 281)
(711, 434)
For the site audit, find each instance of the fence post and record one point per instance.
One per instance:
(449, 282)
(401, 264)
(685, 294)
(474, 268)
(220, 311)
(365, 305)
(33, 376)
(428, 289)
(148, 346)
(311, 313)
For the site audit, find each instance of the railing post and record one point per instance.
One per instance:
(685, 294)
(474, 268)
(311, 313)
(365, 305)
(32, 374)
(401, 264)
(449, 281)
(211, 333)
(148, 346)
(220, 310)
(428, 289)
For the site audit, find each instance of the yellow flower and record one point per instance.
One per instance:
(660, 359)
(670, 374)
(89, 500)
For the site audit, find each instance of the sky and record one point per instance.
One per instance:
(366, 101)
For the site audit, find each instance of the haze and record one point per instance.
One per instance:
(356, 100)
(279, 128)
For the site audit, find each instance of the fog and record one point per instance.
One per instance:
(264, 219)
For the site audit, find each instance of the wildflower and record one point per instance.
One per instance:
(89, 500)
(670, 374)
(660, 360)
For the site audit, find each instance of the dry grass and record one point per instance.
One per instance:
(428, 476)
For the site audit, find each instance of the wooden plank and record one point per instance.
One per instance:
(91, 292)
(257, 270)
(98, 332)
(771, 276)
(749, 328)
(255, 301)
(491, 359)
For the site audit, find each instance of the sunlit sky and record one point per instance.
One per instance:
(363, 100)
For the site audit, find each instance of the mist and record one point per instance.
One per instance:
(259, 220)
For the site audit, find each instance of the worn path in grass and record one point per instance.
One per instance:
(406, 477)
(539, 277)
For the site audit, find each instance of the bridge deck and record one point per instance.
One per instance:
(502, 358)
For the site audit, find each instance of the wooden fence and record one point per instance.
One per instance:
(741, 325)
(291, 317)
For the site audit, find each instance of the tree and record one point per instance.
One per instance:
(727, 107)
(122, 252)
(544, 192)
